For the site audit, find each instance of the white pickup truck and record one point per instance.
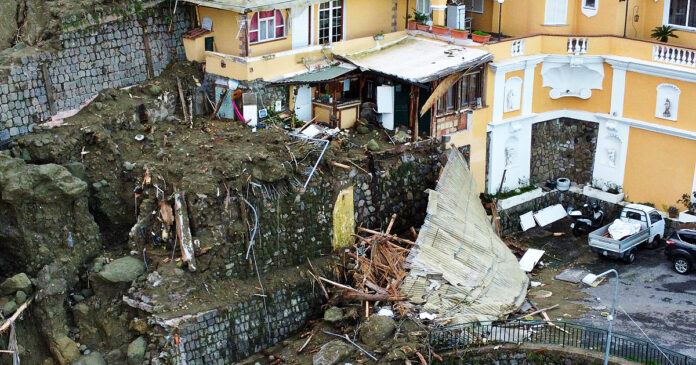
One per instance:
(652, 229)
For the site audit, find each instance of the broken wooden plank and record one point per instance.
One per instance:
(182, 99)
(218, 105)
(14, 316)
(183, 230)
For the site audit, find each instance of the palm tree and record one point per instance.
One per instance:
(662, 33)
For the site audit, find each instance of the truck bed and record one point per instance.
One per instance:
(600, 239)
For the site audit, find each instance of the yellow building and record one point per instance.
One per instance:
(566, 94)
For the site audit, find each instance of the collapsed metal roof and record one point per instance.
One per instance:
(242, 6)
(418, 60)
(460, 268)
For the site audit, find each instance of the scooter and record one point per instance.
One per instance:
(582, 223)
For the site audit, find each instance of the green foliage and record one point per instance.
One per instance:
(420, 17)
(687, 203)
(478, 32)
(663, 33)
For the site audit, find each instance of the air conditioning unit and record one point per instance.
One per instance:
(456, 16)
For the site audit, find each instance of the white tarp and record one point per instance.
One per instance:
(620, 229)
(550, 214)
(459, 267)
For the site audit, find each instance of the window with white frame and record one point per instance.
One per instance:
(330, 21)
(474, 6)
(556, 12)
(682, 13)
(423, 6)
(589, 4)
(266, 26)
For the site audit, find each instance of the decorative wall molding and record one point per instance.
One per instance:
(572, 77)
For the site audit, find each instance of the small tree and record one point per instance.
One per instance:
(663, 33)
(688, 203)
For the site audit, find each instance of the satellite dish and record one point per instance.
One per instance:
(207, 24)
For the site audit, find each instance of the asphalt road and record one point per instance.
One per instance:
(660, 301)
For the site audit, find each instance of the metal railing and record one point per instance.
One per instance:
(562, 334)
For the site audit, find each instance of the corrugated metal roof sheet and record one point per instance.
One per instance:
(324, 74)
(459, 267)
(418, 60)
(242, 6)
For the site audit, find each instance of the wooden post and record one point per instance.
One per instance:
(413, 111)
(182, 100)
(334, 109)
(433, 111)
(219, 104)
(183, 230)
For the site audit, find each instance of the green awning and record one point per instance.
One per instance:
(324, 74)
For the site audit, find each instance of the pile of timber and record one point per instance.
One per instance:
(377, 268)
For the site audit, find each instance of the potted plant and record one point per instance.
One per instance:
(411, 22)
(480, 37)
(673, 211)
(689, 215)
(460, 33)
(379, 36)
(421, 20)
(663, 33)
(440, 30)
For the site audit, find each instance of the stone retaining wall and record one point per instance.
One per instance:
(510, 218)
(111, 55)
(297, 226)
(231, 333)
(563, 148)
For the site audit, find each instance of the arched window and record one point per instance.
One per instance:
(266, 26)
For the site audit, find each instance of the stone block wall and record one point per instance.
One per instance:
(563, 147)
(231, 333)
(295, 226)
(398, 187)
(111, 55)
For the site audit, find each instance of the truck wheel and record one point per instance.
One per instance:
(630, 257)
(681, 265)
(654, 242)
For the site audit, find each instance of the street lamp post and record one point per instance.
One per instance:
(500, 18)
(591, 278)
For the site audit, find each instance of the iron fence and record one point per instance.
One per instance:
(563, 334)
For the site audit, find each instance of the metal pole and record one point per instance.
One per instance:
(613, 307)
(625, 18)
(500, 17)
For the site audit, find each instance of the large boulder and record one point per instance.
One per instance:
(117, 276)
(333, 315)
(45, 216)
(333, 353)
(123, 270)
(376, 330)
(18, 282)
(93, 358)
(136, 351)
(8, 22)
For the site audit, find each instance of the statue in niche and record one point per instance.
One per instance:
(611, 157)
(509, 156)
(510, 100)
(668, 107)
